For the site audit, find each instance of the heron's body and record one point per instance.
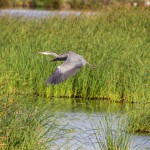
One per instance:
(72, 63)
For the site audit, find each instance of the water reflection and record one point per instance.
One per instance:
(89, 106)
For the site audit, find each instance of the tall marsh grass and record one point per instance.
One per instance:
(110, 134)
(138, 120)
(27, 124)
(116, 40)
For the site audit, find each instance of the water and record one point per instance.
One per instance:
(40, 13)
(80, 118)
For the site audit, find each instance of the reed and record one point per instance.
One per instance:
(26, 124)
(138, 120)
(110, 134)
(117, 41)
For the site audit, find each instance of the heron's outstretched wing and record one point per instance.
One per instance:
(58, 76)
(49, 53)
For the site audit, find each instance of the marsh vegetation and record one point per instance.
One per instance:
(70, 4)
(116, 40)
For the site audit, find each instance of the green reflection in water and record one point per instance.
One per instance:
(86, 106)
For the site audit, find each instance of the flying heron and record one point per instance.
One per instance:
(72, 63)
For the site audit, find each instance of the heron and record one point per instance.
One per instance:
(72, 64)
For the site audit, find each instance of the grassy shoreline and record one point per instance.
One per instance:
(116, 41)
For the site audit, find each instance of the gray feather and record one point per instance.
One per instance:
(58, 77)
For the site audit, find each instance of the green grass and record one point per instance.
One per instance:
(138, 120)
(110, 134)
(116, 40)
(26, 123)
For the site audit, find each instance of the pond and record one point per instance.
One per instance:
(82, 117)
